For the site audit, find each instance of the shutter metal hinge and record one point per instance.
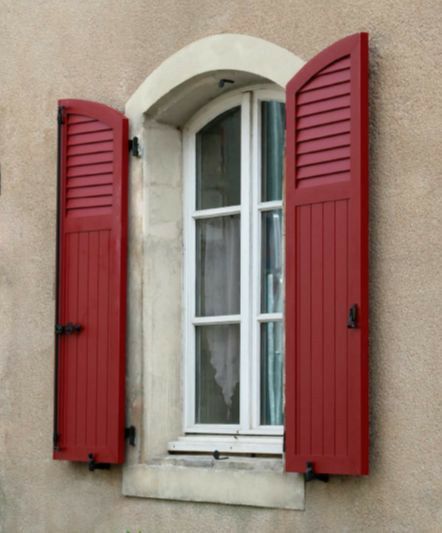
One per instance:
(310, 474)
(67, 329)
(93, 465)
(283, 443)
(56, 441)
(60, 115)
(130, 434)
(134, 147)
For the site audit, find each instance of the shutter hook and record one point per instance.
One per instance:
(310, 474)
(93, 465)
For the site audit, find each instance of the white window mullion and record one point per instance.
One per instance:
(269, 317)
(270, 206)
(245, 377)
(255, 399)
(213, 320)
(217, 212)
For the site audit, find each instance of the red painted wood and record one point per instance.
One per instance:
(89, 170)
(323, 131)
(323, 117)
(327, 80)
(89, 181)
(337, 65)
(319, 145)
(323, 94)
(98, 147)
(90, 159)
(86, 192)
(92, 282)
(313, 108)
(88, 138)
(87, 127)
(326, 206)
(324, 156)
(323, 169)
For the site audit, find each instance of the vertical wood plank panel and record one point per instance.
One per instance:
(341, 251)
(103, 337)
(329, 329)
(304, 331)
(297, 339)
(83, 340)
(91, 393)
(67, 362)
(113, 371)
(69, 357)
(317, 322)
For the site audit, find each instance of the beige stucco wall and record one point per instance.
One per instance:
(102, 50)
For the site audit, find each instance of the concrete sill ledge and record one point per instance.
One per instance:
(257, 482)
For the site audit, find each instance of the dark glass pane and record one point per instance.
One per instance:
(271, 262)
(272, 336)
(218, 161)
(218, 266)
(217, 374)
(272, 150)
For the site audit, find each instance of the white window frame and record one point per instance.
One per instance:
(268, 438)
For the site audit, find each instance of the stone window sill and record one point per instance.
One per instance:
(258, 482)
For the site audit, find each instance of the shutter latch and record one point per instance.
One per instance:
(134, 147)
(352, 317)
(310, 474)
(67, 329)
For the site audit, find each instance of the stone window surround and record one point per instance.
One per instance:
(160, 106)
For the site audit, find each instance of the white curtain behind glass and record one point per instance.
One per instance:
(222, 260)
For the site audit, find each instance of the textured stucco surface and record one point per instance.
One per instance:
(102, 50)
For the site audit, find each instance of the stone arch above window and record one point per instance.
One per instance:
(184, 73)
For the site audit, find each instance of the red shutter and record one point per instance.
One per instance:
(327, 262)
(91, 283)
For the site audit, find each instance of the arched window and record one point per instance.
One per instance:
(243, 413)
(233, 270)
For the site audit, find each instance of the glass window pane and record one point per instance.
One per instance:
(271, 262)
(217, 374)
(218, 161)
(271, 373)
(218, 266)
(272, 150)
